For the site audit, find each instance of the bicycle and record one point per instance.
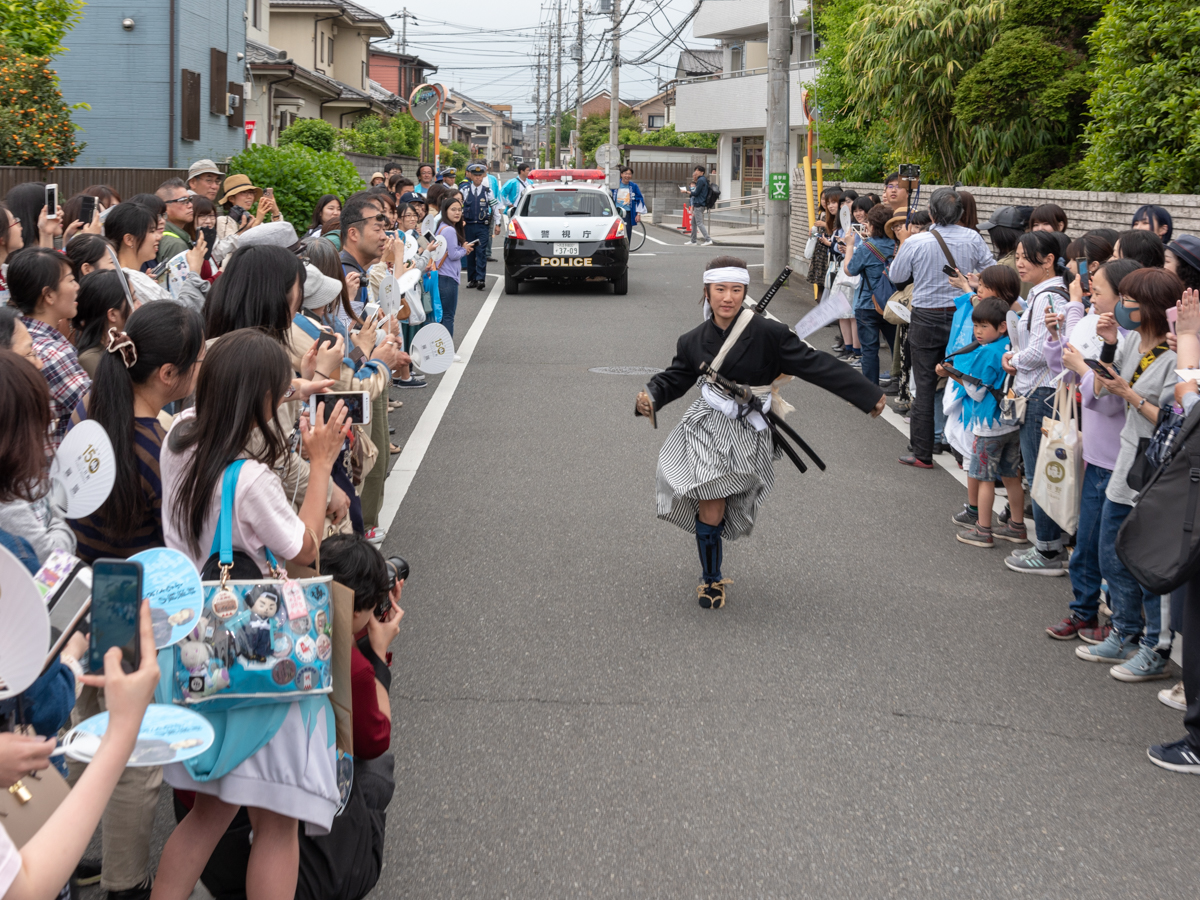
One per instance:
(637, 236)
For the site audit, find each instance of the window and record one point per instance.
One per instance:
(189, 121)
(256, 13)
(560, 202)
(654, 122)
(331, 51)
(217, 64)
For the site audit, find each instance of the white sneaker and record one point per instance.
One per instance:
(375, 535)
(707, 244)
(1173, 697)
(686, 243)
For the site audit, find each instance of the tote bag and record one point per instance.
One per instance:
(1058, 477)
(259, 640)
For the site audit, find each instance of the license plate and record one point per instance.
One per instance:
(566, 249)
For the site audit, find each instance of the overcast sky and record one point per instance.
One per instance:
(486, 49)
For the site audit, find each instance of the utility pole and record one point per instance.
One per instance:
(614, 110)
(558, 93)
(404, 15)
(537, 110)
(579, 86)
(777, 184)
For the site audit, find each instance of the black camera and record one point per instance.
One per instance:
(910, 171)
(398, 569)
(236, 213)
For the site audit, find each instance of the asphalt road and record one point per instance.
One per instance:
(876, 713)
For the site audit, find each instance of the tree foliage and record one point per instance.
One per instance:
(667, 136)
(595, 130)
(316, 134)
(37, 27)
(454, 153)
(1145, 128)
(398, 135)
(299, 175)
(859, 147)
(35, 123)
(907, 59)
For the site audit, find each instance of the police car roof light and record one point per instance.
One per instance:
(566, 175)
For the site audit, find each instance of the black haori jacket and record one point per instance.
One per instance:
(765, 350)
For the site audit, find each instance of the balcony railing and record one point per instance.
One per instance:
(743, 73)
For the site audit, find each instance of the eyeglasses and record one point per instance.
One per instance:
(187, 200)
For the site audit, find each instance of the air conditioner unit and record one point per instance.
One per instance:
(232, 102)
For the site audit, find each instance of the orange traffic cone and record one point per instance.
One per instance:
(686, 227)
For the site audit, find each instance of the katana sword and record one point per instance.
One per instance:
(761, 306)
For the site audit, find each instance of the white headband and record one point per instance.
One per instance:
(727, 274)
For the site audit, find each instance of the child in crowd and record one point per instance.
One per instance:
(997, 448)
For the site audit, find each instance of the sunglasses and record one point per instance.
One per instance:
(381, 219)
(187, 200)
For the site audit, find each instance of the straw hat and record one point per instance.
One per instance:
(890, 228)
(235, 184)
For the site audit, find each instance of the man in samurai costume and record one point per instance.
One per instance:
(716, 466)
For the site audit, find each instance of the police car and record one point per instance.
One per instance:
(566, 228)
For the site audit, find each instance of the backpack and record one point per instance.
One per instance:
(1159, 541)
(714, 194)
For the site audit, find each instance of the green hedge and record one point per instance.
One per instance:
(299, 175)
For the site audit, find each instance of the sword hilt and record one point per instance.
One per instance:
(769, 294)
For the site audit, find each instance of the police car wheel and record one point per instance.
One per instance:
(621, 283)
(512, 284)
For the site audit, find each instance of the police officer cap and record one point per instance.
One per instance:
(476, 169)
(1008, 217)
(449, 170)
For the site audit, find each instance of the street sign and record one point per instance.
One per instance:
(778, 186)
(606, 155)
(250, 123)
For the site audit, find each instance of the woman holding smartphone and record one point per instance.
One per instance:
(457, 247)
(277, 760)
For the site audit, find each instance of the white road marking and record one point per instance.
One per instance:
(400, 478)
(945, 460)
(640, 253)
(664, 243)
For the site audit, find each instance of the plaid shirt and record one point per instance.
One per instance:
(65, 377)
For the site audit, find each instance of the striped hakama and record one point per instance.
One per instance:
(709, 456)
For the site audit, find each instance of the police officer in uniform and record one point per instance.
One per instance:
(481, 219)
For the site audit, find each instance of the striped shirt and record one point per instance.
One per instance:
(921, 259)
(1033, 371)
(92, 535)
(64, 376)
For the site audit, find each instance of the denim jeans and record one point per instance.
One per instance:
(448, 289)
(928, 335)
(1131, 603)
(870, 326)
(1085, 561)
(1039, 406)
(475, 265)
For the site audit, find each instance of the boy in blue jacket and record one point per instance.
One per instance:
(997, 448)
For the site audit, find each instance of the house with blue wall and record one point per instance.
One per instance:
(164, 81)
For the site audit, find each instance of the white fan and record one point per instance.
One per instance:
(407, 279)
(432, 349)
(168, 734)
(389, 295)
(899, 310)
(84, 468)
(25, 637)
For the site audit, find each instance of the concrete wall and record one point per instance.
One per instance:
(124, 76)
(293, 33)
(1085, 209)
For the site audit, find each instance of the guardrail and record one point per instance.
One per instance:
(754, 204)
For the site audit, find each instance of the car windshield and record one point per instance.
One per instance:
(559, 203)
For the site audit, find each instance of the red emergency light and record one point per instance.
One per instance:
(566, 175)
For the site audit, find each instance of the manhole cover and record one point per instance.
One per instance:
(625, 370)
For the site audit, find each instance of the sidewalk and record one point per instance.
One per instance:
(722, 236)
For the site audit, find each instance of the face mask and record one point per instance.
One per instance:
(1124, 317)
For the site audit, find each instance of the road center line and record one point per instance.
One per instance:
(401, 476)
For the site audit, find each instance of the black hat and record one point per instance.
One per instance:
(1008, 217)
(410, 197)
(1187, 248)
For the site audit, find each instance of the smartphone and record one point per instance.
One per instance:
(87, 209)
(1084, 282)
(269, 192)
(1173, 318)
(859, 228)
(52, 201)
(950, 270)
(326, 337)
(910, 171)
(69, 606)
(116, 598)
(429, 237)
(1097, 367)
(358, 405)
(370, 311)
